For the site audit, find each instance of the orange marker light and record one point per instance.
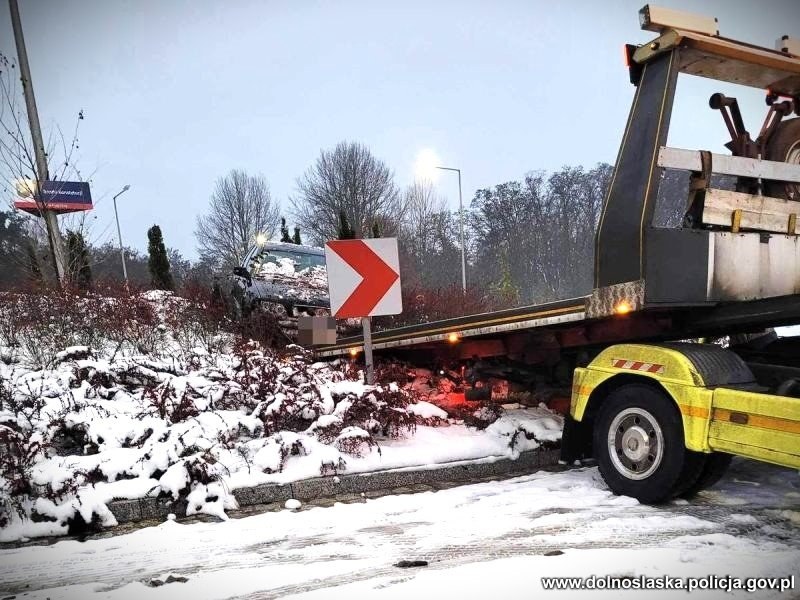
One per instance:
(354, 352)
(623, 308)
(452, 338)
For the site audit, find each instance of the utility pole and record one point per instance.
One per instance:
(50, 218)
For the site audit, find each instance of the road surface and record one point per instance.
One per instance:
(493, 538)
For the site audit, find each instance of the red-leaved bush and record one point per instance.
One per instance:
(423, 305)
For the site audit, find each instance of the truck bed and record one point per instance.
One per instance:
(564, 324)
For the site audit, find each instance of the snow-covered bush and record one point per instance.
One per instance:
(27, 426)
(156, 395)
(262, 327)
(36, 326)
(355, 441)
(197, 320)
(480, 414)
(99, 425)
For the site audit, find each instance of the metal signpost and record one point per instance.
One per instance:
(364, 281)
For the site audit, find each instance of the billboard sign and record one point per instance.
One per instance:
(58, 196)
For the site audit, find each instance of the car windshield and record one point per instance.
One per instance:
(301, 260)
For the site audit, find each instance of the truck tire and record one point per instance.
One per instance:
(784, 146)
(639, 446)
(715, 467)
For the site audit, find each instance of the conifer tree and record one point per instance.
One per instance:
(296, 238)
(34, 271)
(158, 263)
(285, 238)
(80, 272)
(505, 286)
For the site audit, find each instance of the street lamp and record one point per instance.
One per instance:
(119, 234)
(461, 229)
(426, 165)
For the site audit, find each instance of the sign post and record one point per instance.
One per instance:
(364, 281)
(369, 368)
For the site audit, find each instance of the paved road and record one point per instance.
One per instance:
(527, 527)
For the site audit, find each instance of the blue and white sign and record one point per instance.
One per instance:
(58, 196)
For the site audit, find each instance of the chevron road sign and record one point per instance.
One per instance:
(363, 282)
(363, 277)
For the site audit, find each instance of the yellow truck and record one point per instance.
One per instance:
(666, 419)
(663, 417)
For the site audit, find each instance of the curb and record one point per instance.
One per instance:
(131, 511)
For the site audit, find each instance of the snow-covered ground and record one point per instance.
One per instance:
(495, 538)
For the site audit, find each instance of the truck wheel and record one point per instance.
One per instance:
(638, 443)
(715, 467)
(784, 146)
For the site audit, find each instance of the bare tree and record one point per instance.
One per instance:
(429, 252)
(422, 203)
(241, 209)
(350, 179)
(19, 171)
(537, 235)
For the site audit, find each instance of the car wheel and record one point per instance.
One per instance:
(639, 445)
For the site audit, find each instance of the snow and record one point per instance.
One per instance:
(743, 519)
(791, 331)
(107, 425)
(304, 284)
(496, 538)
(211, 499)
(426, 410)
(508, 576)
(292, 504)
(72, 351)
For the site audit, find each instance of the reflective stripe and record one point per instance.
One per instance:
(700, 412)
(760, 421)
(582, 390)
(632, 365)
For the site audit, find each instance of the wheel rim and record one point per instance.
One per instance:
(635, 443)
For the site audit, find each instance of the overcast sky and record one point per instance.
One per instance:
(176, 93)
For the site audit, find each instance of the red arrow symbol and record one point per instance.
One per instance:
(378, 277)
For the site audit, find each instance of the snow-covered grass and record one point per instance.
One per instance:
(202, 414)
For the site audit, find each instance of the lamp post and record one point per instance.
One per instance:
(119, 234)
(461, 229)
